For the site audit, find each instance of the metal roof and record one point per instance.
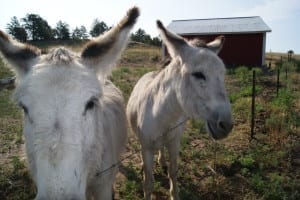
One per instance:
(253, 24)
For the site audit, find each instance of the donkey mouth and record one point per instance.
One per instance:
(214, 132)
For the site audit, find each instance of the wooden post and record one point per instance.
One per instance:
(253, 107)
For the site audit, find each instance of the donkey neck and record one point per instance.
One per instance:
(165, 104)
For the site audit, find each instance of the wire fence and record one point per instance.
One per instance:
(272, 82)
(119, 163)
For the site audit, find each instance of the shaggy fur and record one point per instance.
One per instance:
(74, 118)
(190, 86)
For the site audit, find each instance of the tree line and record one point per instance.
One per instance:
(34, 28)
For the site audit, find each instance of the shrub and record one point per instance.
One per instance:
(284, 100)
(242, 73)
(258, 71)
(242, 108)
(247, 161)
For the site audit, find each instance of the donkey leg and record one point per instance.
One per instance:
(148, 156)
(104, 189)
(173, 149)
(162, 160)
(107, 192)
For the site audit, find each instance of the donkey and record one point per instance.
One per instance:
(191, 85)
(75, 124)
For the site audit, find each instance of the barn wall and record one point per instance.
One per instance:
(239, 49)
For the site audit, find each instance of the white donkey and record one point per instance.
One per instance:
(74, 118)
(192, 85)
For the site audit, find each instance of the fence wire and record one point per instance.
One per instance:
(119, 163)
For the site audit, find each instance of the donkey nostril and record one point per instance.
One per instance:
(225, 126)
(222, 125)
(230, 126)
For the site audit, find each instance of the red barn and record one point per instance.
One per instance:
(245, 37)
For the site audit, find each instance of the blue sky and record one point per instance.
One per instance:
(282, 16)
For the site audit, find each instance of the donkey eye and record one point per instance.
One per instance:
(25, 109)
(90, 104)
(199, 75)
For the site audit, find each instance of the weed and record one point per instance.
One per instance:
(241, 108)
(273, 187)
(247, 161)
(284, 99)
(245, 172)
(198, 125)
(245, 91)
(258, 71)
(17, 163)
(242, 73)
(258, 183)
(4, 71)
(275, 126)
(130, 190)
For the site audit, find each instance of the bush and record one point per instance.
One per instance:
(242, 73)
(241, 108)
(284, 100)
(247, 161)
(273, 186)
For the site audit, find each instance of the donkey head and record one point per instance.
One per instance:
(62, 95)
(199, 74)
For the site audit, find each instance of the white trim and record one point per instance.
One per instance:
(222, 33)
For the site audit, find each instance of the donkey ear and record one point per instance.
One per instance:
(19, 55)
(173, 42)
(102, 52)
(217, 44)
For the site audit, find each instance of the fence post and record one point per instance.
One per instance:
(253, 107)
(277, 83)
(286, 71)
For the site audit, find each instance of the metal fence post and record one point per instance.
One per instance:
(253, 107)
(286, 72)
(277, 83)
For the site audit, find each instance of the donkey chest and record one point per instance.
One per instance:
(156, 135)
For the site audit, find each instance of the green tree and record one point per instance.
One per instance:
(16, 30)
(79, 33)
(37, 27)
(98, 28)
(141, 36)
(84, 34)
(76, 34)
(156, 41)
(62, 31)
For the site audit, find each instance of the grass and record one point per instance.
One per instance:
(126, 77)
(234, 168)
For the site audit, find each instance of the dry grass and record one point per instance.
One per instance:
(274, 58)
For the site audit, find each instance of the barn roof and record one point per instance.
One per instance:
(253, 24)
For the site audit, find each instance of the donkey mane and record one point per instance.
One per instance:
(60, 55)
(196, 42)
